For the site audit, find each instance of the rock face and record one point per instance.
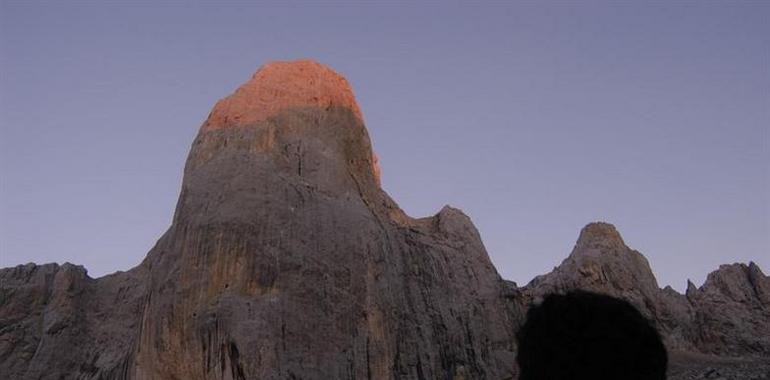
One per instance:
(731, 311)
(602, 262)
(729, 315)
(56, 322)
(286, 260)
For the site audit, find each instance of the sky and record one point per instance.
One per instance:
(534, 118)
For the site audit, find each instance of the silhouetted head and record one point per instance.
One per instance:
(582, 335)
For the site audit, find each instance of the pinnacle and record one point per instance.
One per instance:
(599, 233)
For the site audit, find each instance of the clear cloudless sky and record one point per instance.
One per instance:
(534, 118)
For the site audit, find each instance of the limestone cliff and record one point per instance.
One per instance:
(286, 260)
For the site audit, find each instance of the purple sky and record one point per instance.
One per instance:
(534, 119)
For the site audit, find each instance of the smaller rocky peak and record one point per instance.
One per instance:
(692, 290)
(454, 222)
(70, 273)
(670, 291)
(727, 273)
(449, 212)
(77, 270)
(599, 235)
(602, 261)
(45, 272)
(736, 282)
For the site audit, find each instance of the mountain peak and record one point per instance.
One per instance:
(600, 233)
(302, 115)
(282, 85)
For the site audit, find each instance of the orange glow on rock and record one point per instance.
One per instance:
(376, 168)
(280, 85)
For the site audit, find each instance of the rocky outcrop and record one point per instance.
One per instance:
(601, 262)
(729, 315)
(286, 260)
(731, 311)
(56, 322)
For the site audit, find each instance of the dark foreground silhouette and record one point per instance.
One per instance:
(582, 335)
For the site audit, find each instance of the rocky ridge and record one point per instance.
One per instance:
(729, 315)
(286, 260)
(717, 331)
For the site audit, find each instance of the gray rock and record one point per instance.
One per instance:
(694, 366)
(286, 260)
(732, 311)
(601, 262)
(55, 321)
(728, 316)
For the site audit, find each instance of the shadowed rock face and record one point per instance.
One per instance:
(286, 260)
